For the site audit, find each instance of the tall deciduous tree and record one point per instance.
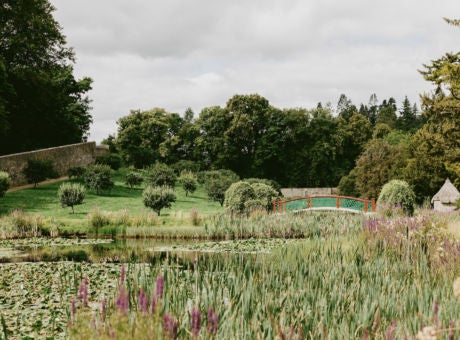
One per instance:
(41, 103)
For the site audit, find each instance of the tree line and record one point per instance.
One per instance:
(296, 147)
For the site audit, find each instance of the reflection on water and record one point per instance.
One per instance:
(121, 250)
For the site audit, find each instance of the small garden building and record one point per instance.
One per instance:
(445, 198)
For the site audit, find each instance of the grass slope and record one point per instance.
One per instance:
(44, 200)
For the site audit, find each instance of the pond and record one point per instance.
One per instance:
(124, 250)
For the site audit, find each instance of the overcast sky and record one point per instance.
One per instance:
(176, 54)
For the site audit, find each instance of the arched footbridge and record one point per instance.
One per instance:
(325, 202)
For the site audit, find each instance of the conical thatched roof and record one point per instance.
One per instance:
(447, 194)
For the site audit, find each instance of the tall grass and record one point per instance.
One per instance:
(294, 225)
(316, 288)
(18, 224)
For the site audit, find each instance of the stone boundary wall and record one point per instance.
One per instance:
(63, 157)
(302, 192)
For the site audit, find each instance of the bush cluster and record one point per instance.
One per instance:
(111, 159)
(159, 197)
(133, 179)
(160, 175)
(216, 182)
(98, 177)
(38, 170)
(242, 197)
(397, 194)
(76, 172)
(5, 182)
(189, 182)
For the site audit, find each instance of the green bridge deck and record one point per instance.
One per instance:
(323, 202)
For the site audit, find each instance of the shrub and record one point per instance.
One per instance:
(188, 181)
(111, 159)
(217, 182)
(398, 193)
(38, 170)
(237, 195)
(5, 182)
(274, 184)
(157, 198)
(160, 175)
(347, 185)
(76, 172)
(71, 194)
(264, 193)
(185, 165)
(194, 217)
(133, 178)
(99, 177)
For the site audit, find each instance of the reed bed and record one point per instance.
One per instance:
(292, 225)
(340, 287)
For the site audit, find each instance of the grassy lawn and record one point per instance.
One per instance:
(44, 201)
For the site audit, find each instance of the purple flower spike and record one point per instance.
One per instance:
(160, 286)
(122, 302)
(122, 275)
(83, 291)
(103, 310)
(212, 321)
(73, 308)
(143, 302)
(170, 326)
(196, 322)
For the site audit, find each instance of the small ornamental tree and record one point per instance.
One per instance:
(133, 178)
(217, 182)
(188, 181)
(71, 194)
(5, 182)
(160, 175)
(397, 193)
(237, 195)
(157, 198)
(38, 170)
(98, 177)
(264, 193)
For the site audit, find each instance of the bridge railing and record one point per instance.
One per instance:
(325, 201)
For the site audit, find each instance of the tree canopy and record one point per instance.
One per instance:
(41, 103)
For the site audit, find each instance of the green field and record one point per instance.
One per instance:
(43, 200)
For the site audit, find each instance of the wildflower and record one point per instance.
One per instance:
(160, 286)
(122, 275)
(212, 321)
(456, 287)
(170, 326)
(73, 308)
(83, 291)
(196, 322)
(103, 310)
(143, 302)
(122, 302)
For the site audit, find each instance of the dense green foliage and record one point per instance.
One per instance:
(111, 159)
(98, 177)
(217, 182)
(159, 197)
(293, 147)
(41, 103)
(71, 194)
(37, 170)
(76, 172)
(397, 193)
(5, 182)
(243, 197)
(160, 174)
(133, 178)
(188, 181)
